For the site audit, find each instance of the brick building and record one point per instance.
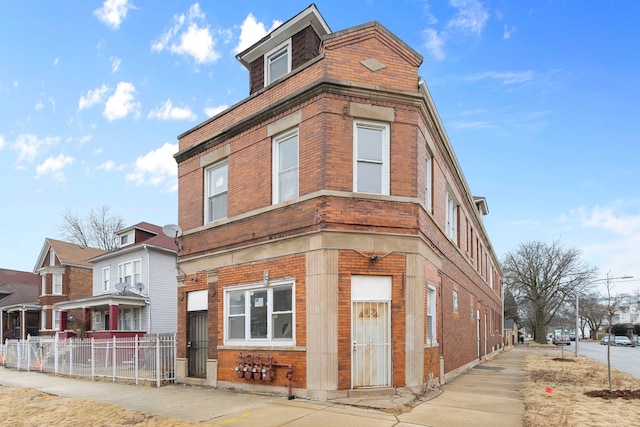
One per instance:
(327, 226)
(65, 274)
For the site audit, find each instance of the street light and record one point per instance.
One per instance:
(605, 279)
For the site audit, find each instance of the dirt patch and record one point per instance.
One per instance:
(562, 359)
(570, 391)
(616, 394)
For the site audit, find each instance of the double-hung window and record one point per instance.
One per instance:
(130, 272)
(371, 157)
(277, 62)
(260, 314)
(455, 301)
(55, 320)
(216, 188)
(431, 315)
(285, 166)
(129, 319)
(57, 284)
(106, 272)
(452, 217)
(428, 180)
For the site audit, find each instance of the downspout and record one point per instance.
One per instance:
(148, 299)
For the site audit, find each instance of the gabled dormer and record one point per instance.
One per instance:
(286, 48)
(138, 233)
(481, 205)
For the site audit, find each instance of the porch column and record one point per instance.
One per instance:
(86, 317)
(63, 321)
(113, 317)
(23, 324)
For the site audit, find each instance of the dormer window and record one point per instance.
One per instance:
(126, 239)
(277, 62)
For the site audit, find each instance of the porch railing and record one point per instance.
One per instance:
(151, 358)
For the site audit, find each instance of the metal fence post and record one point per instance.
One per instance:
(56, 347)
(158, 367)
(71, 342)
(114, 359)
(93, 357)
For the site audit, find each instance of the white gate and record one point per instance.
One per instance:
(370, 331)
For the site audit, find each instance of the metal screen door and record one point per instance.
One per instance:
(197, 344)
(371, 332)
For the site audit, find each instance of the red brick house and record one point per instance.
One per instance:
(65, 274)
(329, 235)
(19, 307)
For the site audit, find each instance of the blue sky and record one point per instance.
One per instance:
(539, 99)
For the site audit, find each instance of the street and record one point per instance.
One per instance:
(623, 358)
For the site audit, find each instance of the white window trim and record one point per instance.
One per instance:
(452, 217)
(432, 336)
(43, 319)
(128, 237)
(276, 163)
(386, 132)
(454, 303)
(267, 75)
(53, 284)
(428, 185)
(106, 278)
(133, 262)
(55, 320)
(207, 194)
(43, 284)
(262, 341)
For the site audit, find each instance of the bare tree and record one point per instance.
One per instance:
(510, 307)
(97, 229)
(592, 313)
(613, 301)
(541, 278)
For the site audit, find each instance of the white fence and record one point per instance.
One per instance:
(151, 358)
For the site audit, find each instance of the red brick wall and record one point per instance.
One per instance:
(351, 263)
(279, 268)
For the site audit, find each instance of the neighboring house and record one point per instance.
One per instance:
(327, 226)
(19, 307)
(134, 287)
(65, 274)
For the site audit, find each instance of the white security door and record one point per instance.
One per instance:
(370, 331)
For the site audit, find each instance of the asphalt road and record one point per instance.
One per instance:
(626, 359)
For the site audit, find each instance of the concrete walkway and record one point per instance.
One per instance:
(487, 395)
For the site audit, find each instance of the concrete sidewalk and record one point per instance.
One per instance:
(486, 395)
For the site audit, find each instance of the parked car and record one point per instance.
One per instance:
(622, 341)
(562, 340)
(605, 340)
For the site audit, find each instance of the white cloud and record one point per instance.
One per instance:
(471, 16)
(508, 30)
(613, 233)
(54, 166)
(212, 111)
(168, 112)
(115, 63)
(251, 31)
(55, 62)
(187, 37)
(504, 77)
(39, 106)
(113, 12)
(121, 103)
(3, 142)
(28, 146)
(93, 97)
(109, 166)
(434, 44)
(156, 168)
